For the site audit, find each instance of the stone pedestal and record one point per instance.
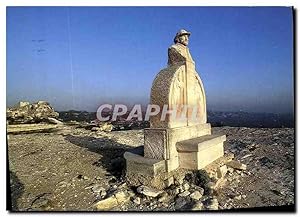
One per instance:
(173, 143)
(160, 143)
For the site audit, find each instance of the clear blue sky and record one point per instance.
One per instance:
(81, 57)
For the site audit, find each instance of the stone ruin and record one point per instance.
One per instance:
(173, 144)
(30, 113)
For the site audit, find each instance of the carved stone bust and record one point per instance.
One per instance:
(179, 52)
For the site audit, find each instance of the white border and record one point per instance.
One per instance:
(5, 3)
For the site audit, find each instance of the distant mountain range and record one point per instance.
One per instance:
(247, 119)
(216, 118)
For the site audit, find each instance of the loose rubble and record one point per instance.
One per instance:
(26, 113)
(73, 169)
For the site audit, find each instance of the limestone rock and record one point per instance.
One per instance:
(179, 180)
(236, 165)
(230, 170)
(106, 127)
(121, 197)
(117, 199)
(217, 184)
(169, 181)
(238, 197)
(198, 206)
(180, 203)
(95, 129)
(137, 201)
(200, 189)
(151, 192)
(54, 121)
(26, 113)
(175, 191)
(164, 197)
(31, 128)
(98, 189)
(186, 186)
(106, 204)
(221, 171)
(213, 204)
(21, 104)
(196, 195)
(184, 194)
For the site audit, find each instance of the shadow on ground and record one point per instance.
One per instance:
(16, 191)
(111, 152)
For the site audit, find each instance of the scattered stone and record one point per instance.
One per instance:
(179, 180)
(200, 189)
(106, 127)
(26, 113)
(198, 206)
(54, 121)
(97, 189)
(184, 194)
(98, 178)
(31, 128)
(106, 204)
(230, 170)
(169, 181)
(238, 197)
(221, 171)
(186, 186)
(85, 178)
(180, 203)
(247, 155)
(196, 195)
(164, 197)
(151, 192)
(236, 165)
(137, 201)
(41, 201)
(95, 129)
(213, 204)
(116, 199)
(211, 185)
(114, 187)
(21, 104)
(175, 191)
(217, 184)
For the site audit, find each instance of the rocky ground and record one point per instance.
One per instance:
(74, 168)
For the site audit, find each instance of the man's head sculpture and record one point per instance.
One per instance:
(182, 37)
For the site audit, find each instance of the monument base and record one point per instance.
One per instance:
(160, 143)
(199, 152)
(193, 154)
(146, 171)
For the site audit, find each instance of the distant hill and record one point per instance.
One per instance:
(247, 119)
(216, 118)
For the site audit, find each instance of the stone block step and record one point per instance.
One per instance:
(199, 152)
(200, 143)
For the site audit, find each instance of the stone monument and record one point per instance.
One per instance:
(173, 143)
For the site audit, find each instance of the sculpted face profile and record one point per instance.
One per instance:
(182, 37)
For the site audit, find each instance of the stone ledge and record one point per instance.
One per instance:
(137, 163)
(140, 159)
(200, 143)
